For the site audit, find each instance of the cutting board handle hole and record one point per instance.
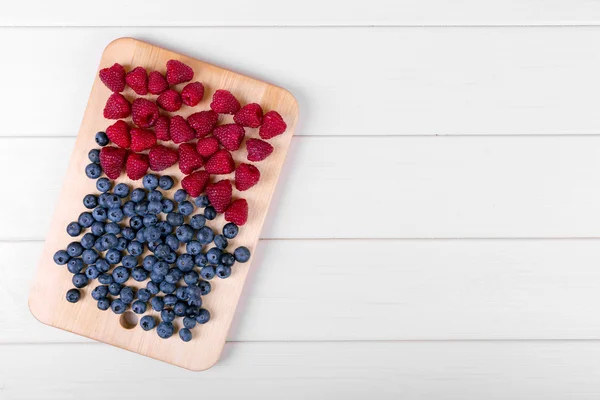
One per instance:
(128, 320)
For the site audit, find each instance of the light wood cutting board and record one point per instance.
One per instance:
(47, 298)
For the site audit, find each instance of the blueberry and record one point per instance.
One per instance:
(165, 182)
(172, 242)
(241, 254)
(197, 221)
(210, 213)
(170, 300)
(193, 247)
(112, 201)
(150, 181)
(89, 256)
(80, 280)
(73, 229)
(205, 287)
(93, 171)
(214, 255)
(168, 205)
(139, 274)
(112, 227)
(175, 219)
(140, 236)
(75, 265)
(105, 279)
(185, 262)
(139, 307)
(127, 295)
(104, 304)
(153, 288)
(90, 201)
(167, 315)
(179, 308)
(141, 208)
(129, 209)
(165, 330)
(75, 249)
(121, 190)
(174, 275)
(121, 244)
(100, 214)
(180, 195)
(118, 306)
(102, 200)
(128, 233)
(116, 214)
(103, 185)
(73, 295)
(171, 257)
(167, 287)
(189, 322)
(191, 278)
(194, 295)
(138, 195)
(207, 272)
(205, 235)
(202, 201)
(61, 257)
(184, 233)
(227, 259)
(114, 288)
(99, 292)
(164, 227)
(152, 234)
(88, 240)
(121, 274)
(149, 220)
(149, 262)
(129, 261)
(94, 156)
(203, 316)
(221, 242)
(113, 256)
(155, 195)
(157, 303)
(85, 219)
(92, 272)
(162, 250)
(98, 228)
(157, 275)
(101, 139)
(136, 222)
(109, 240)
(102, 265)
(161, 267)
(185, 334)
(230, 230)
(135, 248)
(153, 245)
(192, 311)
(147, 322)
(181, 293)
(223, 271)
(154, 207)
(200, 259)
(186, 208)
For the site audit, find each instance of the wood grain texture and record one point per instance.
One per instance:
(46, 299)
(424, 81)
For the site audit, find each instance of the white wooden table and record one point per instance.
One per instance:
(454, 250)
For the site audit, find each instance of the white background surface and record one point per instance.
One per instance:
(454, 252)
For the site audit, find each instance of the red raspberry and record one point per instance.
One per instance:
(220, 163)
(178, 72)
(251, 115)
(112, 160)
(206, 147)
(223, 102)
(246, 176)
(272, 125)
(117, 107)
(180, 131)
(137, 79)
(192, 94)
(144, 113)
(169, 100)
(219, 194)
(258, 149)
(189, 159)
(142, 139)
(157, 83)
(161, 158)
(118, 133)
(237, 212)
(113, 77)
(195, 183)
(230, 136)
(203, 122)
(161, 128)
(136, 166)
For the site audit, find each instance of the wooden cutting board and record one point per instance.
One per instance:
(47, 298)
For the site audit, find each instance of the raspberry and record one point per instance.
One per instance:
(230, 136)
(192, 94)
(203, 122)
(258, 149)
(206, 147)
(136, 166)
(178, 72)
(189, 160)
(251, 115)
(118, 133)
(237, 212)
(113, 77)
(223, 102)
(169, 100)
(161, 158)
(246, 176)
(137, 79)
(180, 131)
(117, 107)
(219, 194)
(142, 139)
(112, 160)
(157, 83)
(144, 113)
(195, 183)
(220, 163)
(272, 125)
(161, 128)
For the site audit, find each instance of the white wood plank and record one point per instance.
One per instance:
(411, 371)
(381, 290)
(306, 13)
(352, 81)
(375, 187)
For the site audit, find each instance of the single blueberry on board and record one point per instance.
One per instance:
(139, 307)
(184, 233)
(198, 221)
(116, 214)
(214, 255)
(155, 195)
(167, 287)
(172, 243)
(74, 229)
(135, 248)
(191, 278)
(100, 214)
(186, 208)
(120, 274)
(227, 259)
(98, 228)
(202, 201)
(129, 261)
(170, 300)
(105, 279)
(180, 195)
(179, 308)
(112, 227)
(138, 195)
(223, 271)
(136, 222)
(205, 235)
(101, 139)
(154, 207)
(73, 295)
(167, 315)
(94, 156)
(161, 267)
(127, 295)
(230, 230)
(192, 311)
(121, 190)
(152, 234)
(74, 249)
(174, 275)
(165, 330)
(92, 272)
(118, 306)
(157, 303)
(193, 247)
(80, 280)
(61, 257)
(185, 334)
(114, 288)
(144, 294)
(203, 316)
(99, 292)
(88, 240)
(129, 209)
(109, 240)
(103, 185)
(128, 233)
(185, 262)
(205, 287)
(139, 274)
(89, 256)
(201, 260)
(164, 227)
(147, 322)
(165, 182)
(141, 208)
(221, 242)
(150, 181)
(168, 205)
(207, 272)
(210, 213)
(241, 254)
(99, 245)
(175, 219)
(75, 265)
(90, 201)
(102, 199)
(181, 293)
(93, 171)
(104, 304)
(85, 219)
(112, 201)
(153, 288)
(189, 322)
(149, 262)
(113, 256)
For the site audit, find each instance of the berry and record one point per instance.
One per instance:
(165, 182)
(75, 265)
(157, 83)
(101, 139)
(113, 77)
(180, 195)
(192, 94)
(74, 229)
(207, 272)
(237, 212)
(189, 160)
(220, 163)
(205, 235)
(189, 322)
(170, 300)
(113, 227)
(167, 315)
(117, 107)
(144, 113)
(223, 102)
(219, 195)
(73, 295)
(122, 190)
(203, 122)
(220, 242)
(178, 72)
(184, 233)
(192, 311)
(113, 201)
(94, 156)
(162, 158)
(185, 263)
(120, 275)
(135, 248)
(202, 201)
(186, 208)
(139, 274)
(61, 257)
(161, 128)
(250, 115)
(203, 316)
(147, 322)
(175, 219)
(205, 287)
(214, 255)
(103, 303)
(87, 241)
(137, 79)
(258, 149)
(80, 280)
(90, 201)
(246, 176)
(185, 334)
(223, 271)
(103, 185)
(155, 207)
(180, 131)
(150, 220)
(165, 330)
(227, 259)
(99, 292)
(206, 147)
(93, 171)
(157, 303)
(118, 306)
(105, 279)
(136, 222)
(273, 125)
(142, 139)
(138, 307)
(115, 214)
(169, 100)
(241, 254)
(155, 195)
(138, 195)
(112, 160)
(127, 294)
(191, 277)
(74, 249)
(230, 136)
(152, 234)
(210, 213)
(98, 228)
(114, 288)
(194, 296)
(118, 133)
(198, 221)
(150, 182)
(230, 230)
(136, 166)
(195, 183)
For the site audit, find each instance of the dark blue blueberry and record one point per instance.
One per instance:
(157, 303)
(135, 248)
(186, 208)
(109, 240)
(112, 201)
(192, 311)
(171, 257)
(92, 272)
(227, 259)
(114, 288)
(89, 256)
(167, 288)
(153, 288)
(140, 236)
(80, 280)
(94, 156)
(201, 260)
(155, 195)
(118, 306)
(165, 330)
(105, 279)
(121, 274)
(184, 233)
(170, 300)
(230, 230)
(149, 262)
(205, 287)
(205, 235)
(74, 229)
(174, 275)
(141, 208)
(150, 220)
(144, 295)
(88, 240)
(128, 233)
(61, 257)
(99, 245)
(93, 171)
(100, 214)
(191, 277)
(103, 185)
(129, 261)
(113, 256)
(102, 265)
(241, 254)
(223, 271)
(181, 293)
(202, 201)
(189, 323)
(185, 334)
(139, 274)
(221, 242)
(122, 244)
(168, 205)
(165, 182)
(194, 296)
(153, 245)
(104, 304)
(179, 308)
(101, 139)
(129, 209)
(90, 201)
(139, 307)
(127, 295)
(85, 219)
(193, 247)
(214, 255)
(152, 234)
(112, 227)
(98, 228)
(156, 277)
(99, 292)
(203, 316)
(138, 195)
(210, 213)
(197, 221)
(116, 214)
(121, 190)
(180, 195)
(167, 315)
(147, 322)
(185, 262)
(73, 295)
(155, 207)
(150, 181)
(164, 227)
(172, 242)
(136, 222)
(175, 219)
(75, 265)
(161, 267)
(102, 199)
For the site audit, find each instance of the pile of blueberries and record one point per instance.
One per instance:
(110, 251)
